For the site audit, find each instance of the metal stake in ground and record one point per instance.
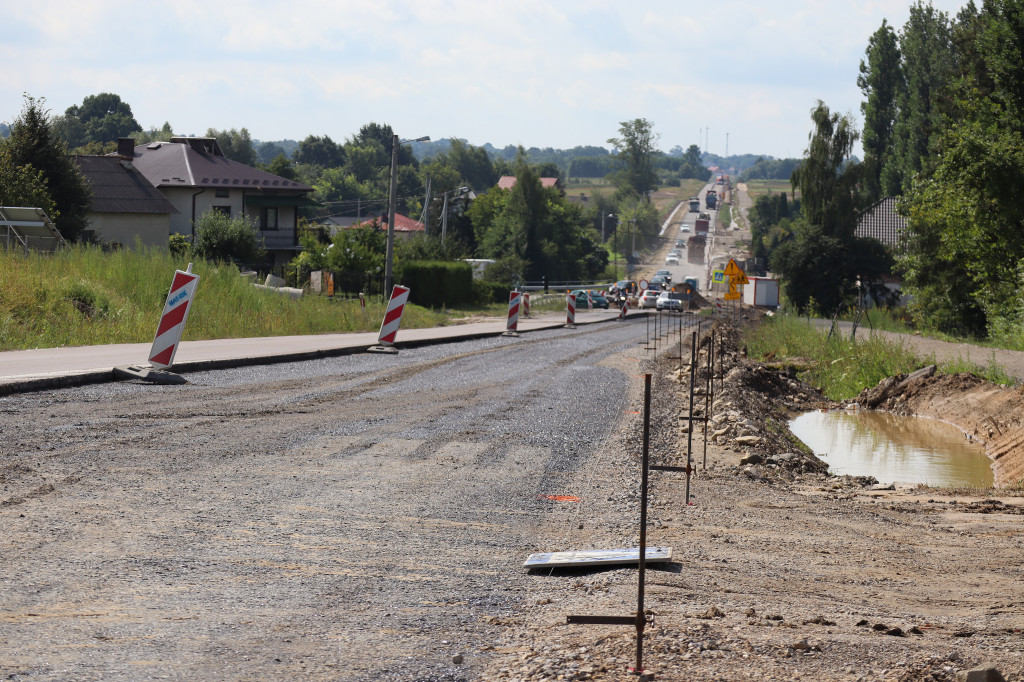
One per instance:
(640, 619)
(689, 444)
(708, 387)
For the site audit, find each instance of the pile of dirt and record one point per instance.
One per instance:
(752, 405)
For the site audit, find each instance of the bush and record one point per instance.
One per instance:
(179, 245)
(434, 284)
(485, 292)
(220, 237)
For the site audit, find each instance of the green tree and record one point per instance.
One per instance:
(220, 237)
(103, 118)
(928, 68)
(535, 231)
(236, 144)
(319, 151)
(282, 167)
(473, 165)
(636, 147)
(826, 180)
(966, 237)
(881, 82)
(268, 151)
(824, 260)
(33, 142)
(23, 185)
(162, 134)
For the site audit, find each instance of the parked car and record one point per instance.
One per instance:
(649, 299)
(667, 300)
(664, 273)
(597, 299)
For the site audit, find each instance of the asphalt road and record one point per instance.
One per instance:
(353, 518)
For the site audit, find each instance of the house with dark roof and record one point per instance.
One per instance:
(195, 176)
(125, 206)
(881, 221)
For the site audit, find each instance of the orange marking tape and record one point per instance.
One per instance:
(559, 498)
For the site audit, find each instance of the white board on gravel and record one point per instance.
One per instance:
(597, 557)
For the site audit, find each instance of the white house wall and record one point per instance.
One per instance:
(152, 229)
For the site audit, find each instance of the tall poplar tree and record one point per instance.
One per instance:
(881, 81)
(928, 68)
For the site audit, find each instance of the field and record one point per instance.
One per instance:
(757, 188)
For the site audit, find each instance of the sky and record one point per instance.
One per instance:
(731, 77)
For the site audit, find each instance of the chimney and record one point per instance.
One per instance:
(126, 147)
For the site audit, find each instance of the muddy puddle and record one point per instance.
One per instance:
(894, 449)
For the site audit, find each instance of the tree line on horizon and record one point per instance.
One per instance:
(533, 232)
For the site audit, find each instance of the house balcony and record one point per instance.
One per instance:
(278, 239)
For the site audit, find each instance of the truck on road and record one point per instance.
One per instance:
(694, 204)
(702, 223)
(695, 248)
(711, 199)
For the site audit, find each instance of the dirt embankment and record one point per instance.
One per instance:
(780, 571)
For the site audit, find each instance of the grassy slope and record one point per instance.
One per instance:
(83, 296)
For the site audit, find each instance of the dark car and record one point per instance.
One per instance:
(597, 299)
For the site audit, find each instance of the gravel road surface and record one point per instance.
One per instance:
(355, 518)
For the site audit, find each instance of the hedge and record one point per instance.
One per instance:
(434, 284)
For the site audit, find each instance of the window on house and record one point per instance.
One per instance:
(221, 193)
(268, 218)
(226, 210)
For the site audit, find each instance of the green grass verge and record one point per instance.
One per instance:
(842, 368)
(85, 296)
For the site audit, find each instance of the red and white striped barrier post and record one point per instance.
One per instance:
(173, 318)
(512, 327)
(718, 305)
(623, 310)
(570, 310)
(392, 318)
(168, 332)
(590, 301)
(526, 304)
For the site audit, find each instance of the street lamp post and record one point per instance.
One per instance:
(389, 255)
(444, 211)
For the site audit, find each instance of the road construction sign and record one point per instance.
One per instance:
(732, 269)
(732, 296)
(740, 278)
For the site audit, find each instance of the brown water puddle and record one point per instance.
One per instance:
(893, 448)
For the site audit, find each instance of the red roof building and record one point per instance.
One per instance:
(509, 181)
(404, 225)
